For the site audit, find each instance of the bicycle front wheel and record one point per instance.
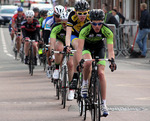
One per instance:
(31, 65)
(64, 88)
(97, 100)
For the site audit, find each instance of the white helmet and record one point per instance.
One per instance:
(59, 9)
(50, 12)
(29, 13)
(64, 16)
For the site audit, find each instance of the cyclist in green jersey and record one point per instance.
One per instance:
(91, 39)
(57, 42)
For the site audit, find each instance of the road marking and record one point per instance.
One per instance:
(4, 44)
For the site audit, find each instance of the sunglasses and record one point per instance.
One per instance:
(95, 24)
(28, 16)
(82, 13)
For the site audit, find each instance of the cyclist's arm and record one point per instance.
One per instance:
(110, 46)
(13, 25)
(80, 45)
(68, 35)
(110, 51)
(79, 50)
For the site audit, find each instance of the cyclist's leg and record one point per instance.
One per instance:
(87, 65)
(35, 52)
(86, 73)
(101, 75)
(74, 43)
(70, 68)
(59, 46)
(26, 50)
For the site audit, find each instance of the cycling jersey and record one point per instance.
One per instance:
(10, 28)
(31, 30)
(17, 20)
(94, 40)
(49, 21)
(75, 23)
(58, 32)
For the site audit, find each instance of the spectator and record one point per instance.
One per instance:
(22, 1)
(121, 17)
(109, 18)
(114, 13)
(144, 29)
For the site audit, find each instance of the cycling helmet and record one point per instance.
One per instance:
(29, 13)
(59, 9)
(43, 12)
(36, 9)
(82, 5)
(20, 9)
(50, 12)
(64, 16)
(97, 14)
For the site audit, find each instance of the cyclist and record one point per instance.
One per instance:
(36, 12)
(54, 17)
(30, 30)
(76, 20)
(91, 39)
(43, 15)
(10, 29)
(16, 26)
(57, 42)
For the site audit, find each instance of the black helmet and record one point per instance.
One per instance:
(97, 14)
(36, 9)
(43, 12)
(81, 5)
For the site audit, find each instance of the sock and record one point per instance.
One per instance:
(104, 102)
(57, 66)
(84, 82)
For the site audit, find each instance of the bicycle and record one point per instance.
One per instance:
(30, 56)
(94, 100)
(63, 83)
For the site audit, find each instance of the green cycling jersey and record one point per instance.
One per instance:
(91, 37)
(58, 32)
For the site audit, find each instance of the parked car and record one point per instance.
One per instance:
(1, 20)
(42, 6)
(6, 12)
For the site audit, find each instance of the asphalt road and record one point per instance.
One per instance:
(26, 98)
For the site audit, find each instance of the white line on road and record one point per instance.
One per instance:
(4, 44)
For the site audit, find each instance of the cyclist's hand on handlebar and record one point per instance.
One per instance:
(67, 49)
(112, 65)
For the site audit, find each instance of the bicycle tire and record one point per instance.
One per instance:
(57, 89)
(80, 104)
(44, 61)
(98, 98)
(31, 65)
(91, 95)
(84, 109)
(64, 91)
